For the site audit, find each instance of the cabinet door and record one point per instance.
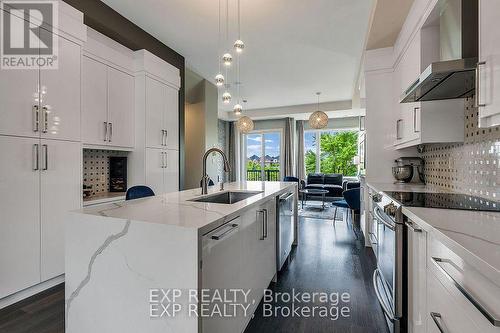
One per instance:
(94, 101)
(60, 103)
(18, 96)
(155, 169)
(171, 170)
(156, 101)
(172, 118)
(121, 106)
(221, 271)
(417, 278)
(20, 214)
(60, 193)
(488, 93)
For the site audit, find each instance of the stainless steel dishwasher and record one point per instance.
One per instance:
(285, 225)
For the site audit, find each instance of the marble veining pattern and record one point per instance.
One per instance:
(107, 242)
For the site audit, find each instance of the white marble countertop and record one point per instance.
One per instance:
(468, 232)
(176, 209)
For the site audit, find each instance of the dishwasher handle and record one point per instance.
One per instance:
(286, 197)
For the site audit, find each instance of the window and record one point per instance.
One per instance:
(336, 151)
(262, 152)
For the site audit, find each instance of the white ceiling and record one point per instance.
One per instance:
(293, 47)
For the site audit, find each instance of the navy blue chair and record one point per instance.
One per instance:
(139, 191)
(351, 202)
(291, 179)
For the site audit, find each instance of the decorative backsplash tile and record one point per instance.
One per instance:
(471, 167)
(221, 144)
(96, 168)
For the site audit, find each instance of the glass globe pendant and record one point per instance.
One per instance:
(239, 46)
(237, 109)
(245, 125)
(226, 97)
(227, 59)
(219, 80)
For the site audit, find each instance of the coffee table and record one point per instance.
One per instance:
(306, 192)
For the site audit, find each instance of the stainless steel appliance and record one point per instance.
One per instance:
(409, 170)
(389, 277)
(285, 225)
(454, 76)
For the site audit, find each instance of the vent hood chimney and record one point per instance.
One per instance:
(455, 74)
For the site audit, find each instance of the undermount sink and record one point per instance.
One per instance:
(228, 197)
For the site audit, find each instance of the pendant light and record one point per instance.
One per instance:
(238, 44)
(219, 78)
(245, 125)
(318, 119)
(227, 58)
(226, 97)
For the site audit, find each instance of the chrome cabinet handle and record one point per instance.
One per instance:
(162, 137)
(45, 115)
(110, 132)
(478, 83)
(45, 149)
(165, 154)
(162, 160)
(263, 234)
(381, 219)
(385, 308)
(36, 118)
(415, 130)
(265, 223)
(36, 163)
(166, 137)
(436, 317)
(397, 129)
(411, 225)
(105, 131)
(481, 308)
(232, 227)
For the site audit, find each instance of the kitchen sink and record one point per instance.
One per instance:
(228, 197)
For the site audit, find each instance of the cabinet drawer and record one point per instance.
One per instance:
(444, 315)
(474, 292)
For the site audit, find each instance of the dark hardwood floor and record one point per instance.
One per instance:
(328, 259)
(42, 313)
(331, 260)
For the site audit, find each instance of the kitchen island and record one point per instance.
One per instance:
(146, 265)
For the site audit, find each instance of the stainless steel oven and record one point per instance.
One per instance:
(388, 278)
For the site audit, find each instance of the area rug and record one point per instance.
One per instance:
(313, 209)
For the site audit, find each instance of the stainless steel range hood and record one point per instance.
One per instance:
(455, 75)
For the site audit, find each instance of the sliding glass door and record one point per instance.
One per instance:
(263, 156)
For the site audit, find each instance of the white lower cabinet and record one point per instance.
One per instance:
(60, 192)
(444, 315)
(20, 215)
(243, 257)
(39, 183)
(162, 170)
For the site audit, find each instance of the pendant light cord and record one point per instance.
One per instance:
(227, 20)
(239, 21)
(218, 40)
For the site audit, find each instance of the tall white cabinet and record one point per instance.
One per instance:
(155, 160)
(40, 168)
(488, 89)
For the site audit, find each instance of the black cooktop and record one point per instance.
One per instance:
(444, 200)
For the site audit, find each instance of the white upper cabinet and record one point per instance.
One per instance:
(60, 99)
(488, 81)
(43, 102)
(108, 93)
(424, 122)
(94, 102)
(156, 104)
(120, 108)
(172, 118)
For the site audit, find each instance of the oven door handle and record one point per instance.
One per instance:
(385, 307)
(380, 218)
